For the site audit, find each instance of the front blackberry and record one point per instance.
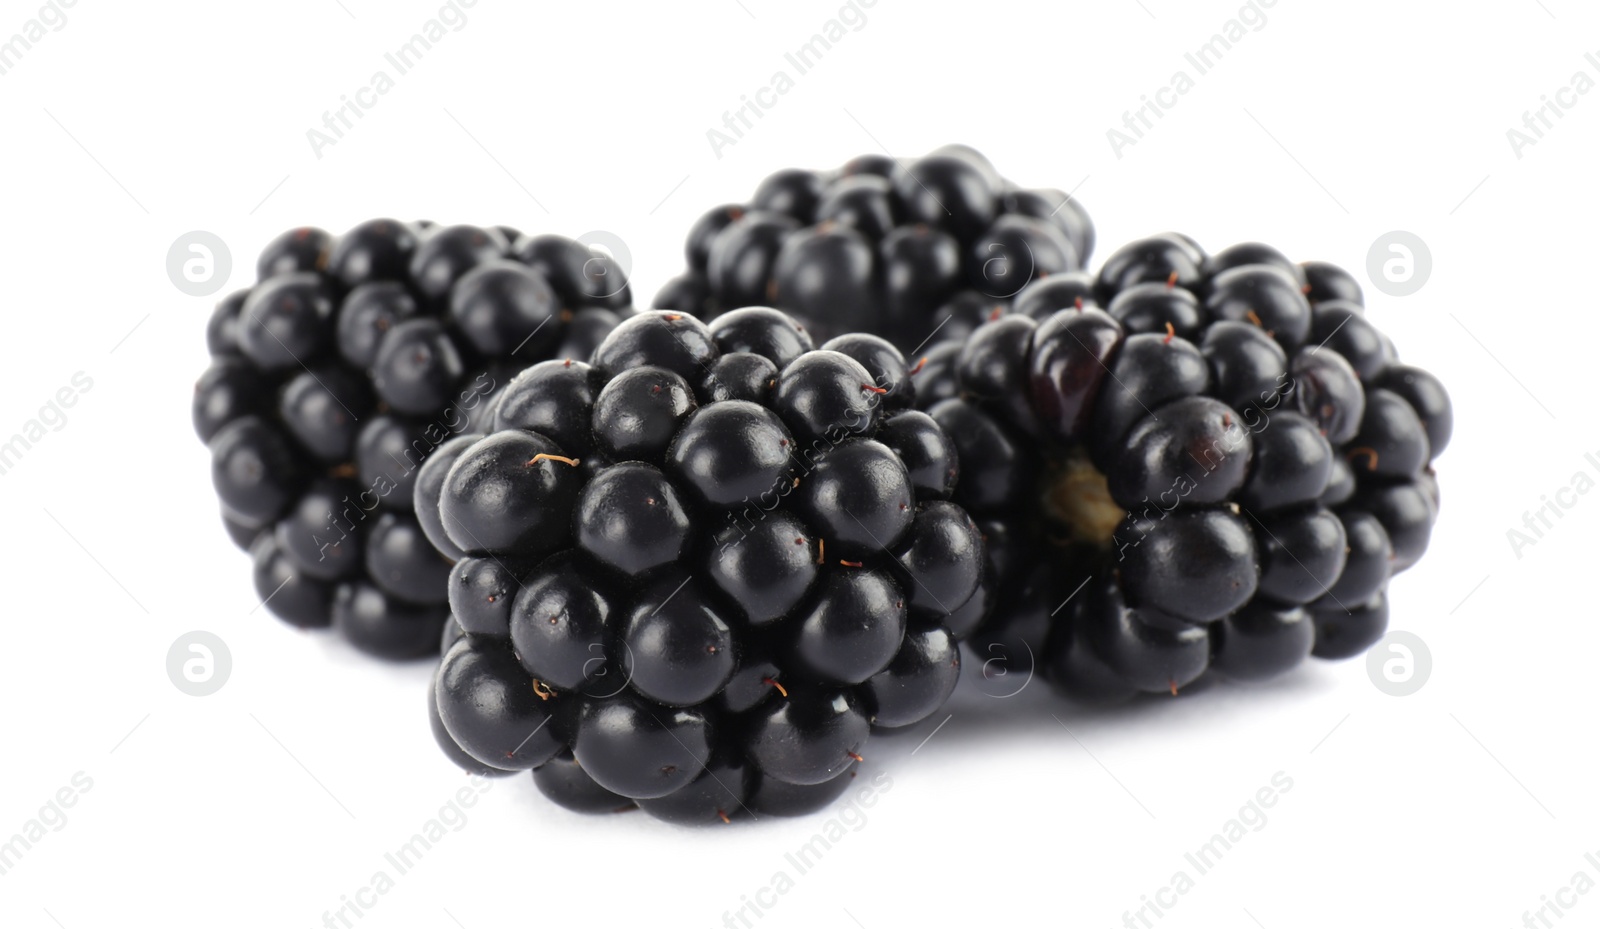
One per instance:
(346, 364)
(1190, 462)
(900, 251)
(700, 568)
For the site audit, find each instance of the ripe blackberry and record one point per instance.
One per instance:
(881, 246)
(1195, 462)
(341, 370)
(707, 592)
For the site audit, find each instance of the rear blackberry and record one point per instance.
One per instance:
(1191, 462)
(877, 246)
(341, 370)
(706, 564)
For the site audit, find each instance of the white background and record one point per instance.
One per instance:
(266, 803)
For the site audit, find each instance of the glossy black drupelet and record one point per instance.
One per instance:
(703, 590)
(1192, 463)
(899, 249)
(351, 362)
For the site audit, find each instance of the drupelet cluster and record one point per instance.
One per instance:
(695, 571)
(347, 363)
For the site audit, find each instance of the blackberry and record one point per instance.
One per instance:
(342, 370)
(1191, 463)
(881, 247)
(695, 593)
